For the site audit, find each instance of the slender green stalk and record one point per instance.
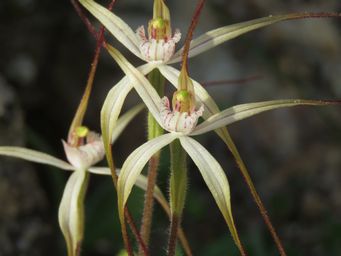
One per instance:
(154, 130)
(178, 188)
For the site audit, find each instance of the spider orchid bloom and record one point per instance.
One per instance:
(157, 46)
(82, 157)
(183, 108)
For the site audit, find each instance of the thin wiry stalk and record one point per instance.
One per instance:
(79, 116)
(149, 200)
(154, 130)
(135, 231)
(173, 235)
(232, 147)
(125, 236)
(232, 81)
(190, 31)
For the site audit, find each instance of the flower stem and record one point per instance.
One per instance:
(174, 226)
(178, 187)
(154, 130)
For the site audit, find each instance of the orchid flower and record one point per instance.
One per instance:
(81, 157)
(181, 123)
(160, 44)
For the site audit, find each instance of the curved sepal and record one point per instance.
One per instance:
(220, 35)
(71, 211)
(215, 179)
(240, 112)
(115, 25)
(133, 166)
(35, 156)
(143, 87)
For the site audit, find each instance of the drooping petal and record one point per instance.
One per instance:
(218, 36)
(214, 178)
(239, 112)
(84, 156)
(117, 27)
(35, 156)
(133, 166)
(71, 211)
(145, 90)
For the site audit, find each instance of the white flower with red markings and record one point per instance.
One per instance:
(176, 121)
(153, 49)
(90, 152)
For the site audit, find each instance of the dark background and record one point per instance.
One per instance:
(293, 155)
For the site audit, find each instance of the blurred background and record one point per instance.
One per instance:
(293, 155)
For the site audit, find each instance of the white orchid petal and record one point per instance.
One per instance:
(218, 36)
(71, 211)
(134, 164)
(202, 96)
(100, 170)
(157, 50)
(35, 156)
(175, 121)
(240, 112)
(214, 178)
(84, 156)
(117, 27)
(113, 104)
(143, 87)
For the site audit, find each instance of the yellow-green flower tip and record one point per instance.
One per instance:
(159, 29)
(182, 101)
(158, 23)
(122, 253)
(82, 131)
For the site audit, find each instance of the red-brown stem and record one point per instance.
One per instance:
(135, 231)
(189, 35)
(81, 110)
(125, 236)
(230, 82)
(308, 15)
(149, 199)
(241, 166)
(173, 233)
(265, 216)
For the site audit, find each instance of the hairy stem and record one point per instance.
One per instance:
(178, 188)
(174, 226)
(125, 236)
(154, 130)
